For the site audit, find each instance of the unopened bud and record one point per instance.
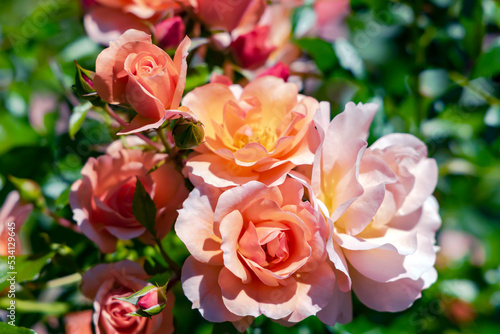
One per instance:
(150, 300)
(188, 133)
(29, 191)
(84, 85)
(153, 300)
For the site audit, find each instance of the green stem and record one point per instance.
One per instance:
(163, 139)
(463, 82)
(171, 263)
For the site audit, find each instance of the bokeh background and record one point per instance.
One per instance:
(432, 66)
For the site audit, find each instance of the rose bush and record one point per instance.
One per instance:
(259, 132)
(257, 250)
(136, 72)
(102, 199)
(105, 283)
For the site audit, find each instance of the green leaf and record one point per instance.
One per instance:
(14, 132)
(138, 313)
(134, 298)
(63, 198)
(154, 310)
(9, 329)
(26, 268)
(320, 51)
(144, 208)
(487, 64)
(472, 20)
(77, 118)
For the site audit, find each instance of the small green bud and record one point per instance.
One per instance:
(188, 133)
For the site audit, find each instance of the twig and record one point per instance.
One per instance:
(171, 263)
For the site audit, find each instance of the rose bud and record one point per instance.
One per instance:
(84, 85)
(151, 300)
(279, 70)
(188, 133)
(155, 297)
(251, 50)
(170, 32)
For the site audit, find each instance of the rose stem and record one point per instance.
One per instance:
(163, 139)
(123, 123)
(62, 221)
(171, 263)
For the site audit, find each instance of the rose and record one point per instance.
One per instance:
(279, 70)
(259, 132)
(105, 283)
(229, 14)
(102, 199)
(251, 50)
(257, 250)
(106, 20)
(170, 32)
(135, 71)
(13, 214)
(382, 216)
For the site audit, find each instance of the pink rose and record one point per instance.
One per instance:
(279, 70)
(170, 32)
(13, 214)
(251, 50)
(135, 71)
(229, 14)
(102, 199)
(106, 20)
(381, 211)
(257, 250)
(105, 282)
(330, 15)
(259, 132)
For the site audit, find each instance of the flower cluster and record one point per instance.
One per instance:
(285, 212)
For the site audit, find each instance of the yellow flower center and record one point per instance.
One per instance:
(265, 136)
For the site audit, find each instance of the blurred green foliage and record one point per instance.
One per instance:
(432, 66)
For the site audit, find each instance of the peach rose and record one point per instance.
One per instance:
(257, 250)
(13, 215)
(106, 20)
(102, 199)
(227, 14)
(105, 282)
(382, 215)
(136, 72)
(259, 132)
